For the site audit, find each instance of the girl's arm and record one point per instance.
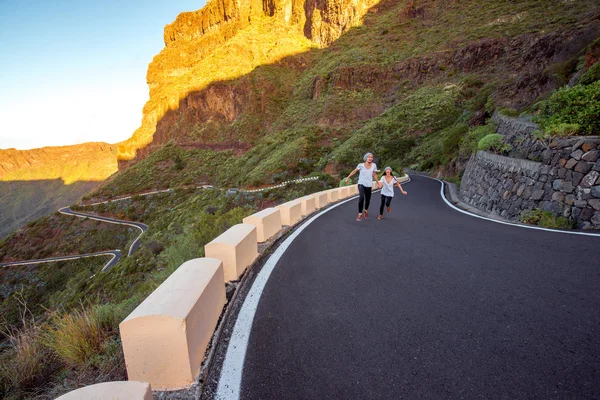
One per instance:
(400, 186)
(351, 174)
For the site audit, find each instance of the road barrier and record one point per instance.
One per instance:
(320, 199)
(344, 192)
(120, 390)
(333, 195)
(291, 212)
(165, 338)
(267, 222)
(307, 205)
(236, 247)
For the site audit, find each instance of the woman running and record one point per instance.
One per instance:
(387, 183)
(367, 171)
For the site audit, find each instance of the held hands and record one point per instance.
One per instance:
(347, 180)
(379, 185)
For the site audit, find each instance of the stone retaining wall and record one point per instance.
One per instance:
(562, 177)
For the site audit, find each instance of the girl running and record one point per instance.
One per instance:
(367, 171)
(387, 183)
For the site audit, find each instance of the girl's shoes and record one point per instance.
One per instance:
(380, 217)
(366, 214)
(359, 217)
(389, 209)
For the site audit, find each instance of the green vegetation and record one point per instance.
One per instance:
(591, 75)
(394, 133)
(469, 144)
(493, 142)
(546, 219)
(579, 105)
(74, 310)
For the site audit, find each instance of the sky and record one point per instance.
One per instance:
(75, 71)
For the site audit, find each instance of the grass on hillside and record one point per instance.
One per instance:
(73, 300)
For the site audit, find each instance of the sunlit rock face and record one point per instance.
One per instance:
(226, 40)
(34, 183)
(84, 162)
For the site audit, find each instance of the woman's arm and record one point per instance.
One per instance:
(379, 184)
(351, 174)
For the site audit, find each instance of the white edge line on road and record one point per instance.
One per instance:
(507, 223)
(231, 373)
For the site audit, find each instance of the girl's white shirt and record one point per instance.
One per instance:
(365, 176)
(388, 188)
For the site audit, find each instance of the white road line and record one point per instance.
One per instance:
(233, 365)
(539, 228)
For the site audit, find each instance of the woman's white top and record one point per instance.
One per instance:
(365, 176)
(388, 188)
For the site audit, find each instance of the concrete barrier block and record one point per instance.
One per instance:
(403, 179)
(165, 338)
(307, 204)
(353, 190)
(121, 390)
(291, 212)
(375, 185)
(236, 247)
(320, 199)
(267, 222)
(344, 192)
(333, 195)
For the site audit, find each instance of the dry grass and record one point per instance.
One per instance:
(26, 362)
(76, 336)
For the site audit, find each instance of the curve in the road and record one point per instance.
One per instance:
(526, 298)
(116, 254)
(142, 227)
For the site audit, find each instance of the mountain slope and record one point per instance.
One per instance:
(269, 100)
(36, 182)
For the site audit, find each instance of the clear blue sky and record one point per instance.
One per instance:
(75, 71)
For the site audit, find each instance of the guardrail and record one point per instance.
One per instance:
(155, 350)
(165, 338)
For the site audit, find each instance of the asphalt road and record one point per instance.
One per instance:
(427, 304)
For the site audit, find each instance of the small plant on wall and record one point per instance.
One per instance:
(494, 143)
(545, 219)
(552, 132)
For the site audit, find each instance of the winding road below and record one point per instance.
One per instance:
(427, 303)
(116, 254)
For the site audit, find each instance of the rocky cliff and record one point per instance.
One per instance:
(36, 182)
(227, 40)
(85, 162)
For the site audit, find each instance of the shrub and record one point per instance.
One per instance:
(471, 140)
(545, 219)
(26, 356)
(509, 112)
(493, 142)
(591, 75)
(555, 131)
(75, 336)
(577, 105)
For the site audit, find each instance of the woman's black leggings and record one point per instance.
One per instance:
(387, 200)
(364, 198)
